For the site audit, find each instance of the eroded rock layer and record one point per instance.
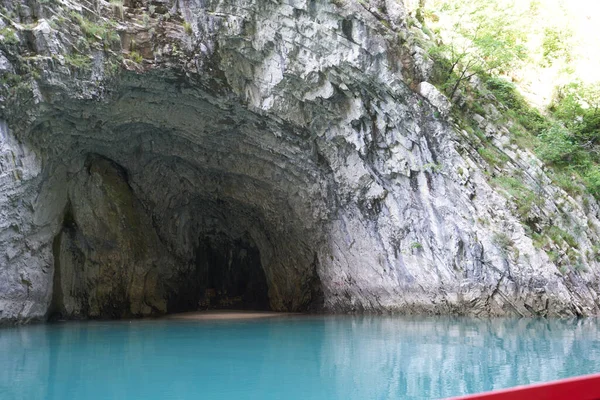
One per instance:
(277, 155)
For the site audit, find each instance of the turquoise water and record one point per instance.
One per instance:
(291, 358)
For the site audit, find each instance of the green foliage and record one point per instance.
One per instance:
(572, 143)
(483, 221)
(579, 266)
(10, 79)
(568, 180)
(503, 241)
(103, 32)
(592, 180)
(558, 146)
(117, 7)
(554, 144)
(559, 236)
(19, 83)
(506, 93)
(57, 21)
(136, 57)
(416, 246)
(596, 252)
(8, 36)
(187, 27)
(78, 61)
(476, 107)
(578, 107)
(492, 156)
(555, 45)
(112, 66)
(523, 197)
(539, 240)
(523, 138)
(484, 39)
(433, 167)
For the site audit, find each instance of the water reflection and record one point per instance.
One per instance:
(292, 358)
(432, 358)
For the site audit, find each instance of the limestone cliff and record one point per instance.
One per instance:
(163, 155)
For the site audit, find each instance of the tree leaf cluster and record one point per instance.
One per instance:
(484, 39)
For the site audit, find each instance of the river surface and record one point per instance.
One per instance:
(294, 357)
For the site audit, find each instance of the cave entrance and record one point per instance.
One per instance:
(163, 218)
(110, 261)
(228, 274)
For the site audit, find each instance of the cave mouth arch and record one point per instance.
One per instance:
(171, 204)
(117, 256)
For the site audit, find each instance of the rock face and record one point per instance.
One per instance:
(107, 257)
(259, 154)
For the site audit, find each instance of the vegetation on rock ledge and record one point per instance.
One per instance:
(492, 40)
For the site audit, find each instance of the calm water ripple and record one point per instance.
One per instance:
(291, 358)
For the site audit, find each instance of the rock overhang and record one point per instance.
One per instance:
(199, 172)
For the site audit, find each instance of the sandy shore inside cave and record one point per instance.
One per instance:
(227, 315)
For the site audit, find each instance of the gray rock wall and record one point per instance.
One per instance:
(297, 129)
(26, 258)
(108, 260)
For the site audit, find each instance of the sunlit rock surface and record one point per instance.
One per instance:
(255, 154)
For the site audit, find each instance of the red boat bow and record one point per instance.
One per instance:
(579, 388)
